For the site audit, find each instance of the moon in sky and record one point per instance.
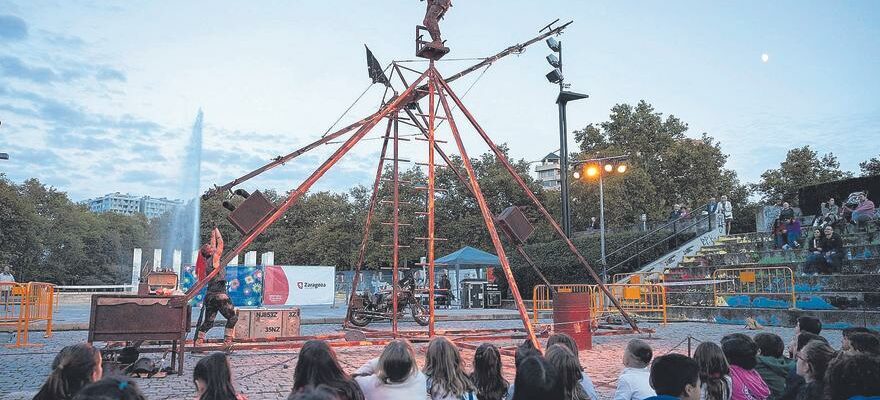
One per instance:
(765, 57)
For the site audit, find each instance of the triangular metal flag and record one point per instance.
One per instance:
(374, 69)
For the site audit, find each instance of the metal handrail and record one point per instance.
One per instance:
(695, 222)
(655, 230)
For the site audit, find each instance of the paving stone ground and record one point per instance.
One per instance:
(269, 375)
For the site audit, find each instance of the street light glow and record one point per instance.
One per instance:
(592, 171)
(609, 168)
(577, 175)
(621, 168)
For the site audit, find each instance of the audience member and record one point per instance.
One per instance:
(111, 389)
(715, 380)
(816, 258)
(487, 378)
(320, 392)
(847, 332)
(741, 352)
(832, 249)
(772, 366)
(853, 376)
(394, 375)
(523, 351)
(568, 371)
(786, 212)
(807, 323)
(726, 209)
(675, 376)
(317, 365)
(676, 212)
(635, 380)
(444, 370)
(568, 342)
(793, 233)
(74, 367)
(812, 362)
(595, 223)
(830, 213)
(867, 343)
(536, 379)
(213, 379)
(864, 212)
(794, 381)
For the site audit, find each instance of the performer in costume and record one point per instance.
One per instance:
(433, 15)
(216, 298)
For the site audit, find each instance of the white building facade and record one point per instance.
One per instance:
(549, 172)
(128, 204)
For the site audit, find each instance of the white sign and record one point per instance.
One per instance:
(298, 285)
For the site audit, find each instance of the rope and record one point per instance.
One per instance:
(418, 60)
(344, 113)
(474, 83)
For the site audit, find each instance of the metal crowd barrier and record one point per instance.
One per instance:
(23, 304)
(637, 299)
(758, 281)
(639, 277)
(642, 300)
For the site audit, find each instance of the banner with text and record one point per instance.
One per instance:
(294, 285)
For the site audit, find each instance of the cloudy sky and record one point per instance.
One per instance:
(99, 97)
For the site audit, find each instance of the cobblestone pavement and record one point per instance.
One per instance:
(269, 375)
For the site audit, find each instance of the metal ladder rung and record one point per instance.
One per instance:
(391, 245)
(426, 188)
(421, 213)
(392, 202)
(392, 138)
(424, 238)
(429, 116)
(399, 180)
(425, 140)
(398, 160)
(398, 224)
(435, 165)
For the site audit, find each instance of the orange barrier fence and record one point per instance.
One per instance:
(636, 278)
(774, 282)
(644, 300)
(23, 304)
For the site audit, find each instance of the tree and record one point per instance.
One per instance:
(870, 167)
(802, 167)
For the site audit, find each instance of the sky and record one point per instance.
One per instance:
(100, 97)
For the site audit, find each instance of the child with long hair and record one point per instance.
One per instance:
(715, 381)
(213, 379)
(742, 355)
(487, 378)
(568, 342)
(74, 367)
(111, 389)
(536, 379)
(394, 375)
(444, 369)
(317, 365)
(568, 371)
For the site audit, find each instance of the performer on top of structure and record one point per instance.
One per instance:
(435, 12)
(216, 299)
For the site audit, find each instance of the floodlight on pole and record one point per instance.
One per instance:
(4, 156)
(621, 168)
(609, 168)
(576, 175)
(553, 60)
(554, 44)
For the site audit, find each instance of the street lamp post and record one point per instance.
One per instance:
(562, 100)
(601, 166)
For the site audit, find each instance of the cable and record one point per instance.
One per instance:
(443, 60)
(353, 104)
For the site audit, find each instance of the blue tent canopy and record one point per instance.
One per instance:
(469, 256)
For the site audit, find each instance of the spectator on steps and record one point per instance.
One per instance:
(815, 259)
(786, 212)
(780, 233)
(772, 366)
(832, 249)
(714, 372)
(487, 378)
(635, 380)
(852, 376)
(830, 213)
(793, 234)
(741, 352)
(812, 362)
(676, 212)
(675, 376)
(864, 212)
(585, 381)
(213, 378)
(726, 209)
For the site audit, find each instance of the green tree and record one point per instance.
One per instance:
(870, 167)
(802, 167)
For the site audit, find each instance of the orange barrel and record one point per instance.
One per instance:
(571, 315)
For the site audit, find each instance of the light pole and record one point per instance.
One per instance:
(562, 100)
(599, 167)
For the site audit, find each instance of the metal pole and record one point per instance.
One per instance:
(395, 239)
(432, 113)
(563, 170)
(602, 226)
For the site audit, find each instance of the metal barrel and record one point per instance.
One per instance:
(571, 315)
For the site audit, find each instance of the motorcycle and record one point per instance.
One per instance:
(366, 308)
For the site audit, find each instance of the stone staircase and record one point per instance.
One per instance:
(848, 298)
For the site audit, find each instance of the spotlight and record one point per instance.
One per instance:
(577, 175)
(229, 206)
(621, 168)
(241, 192)
(553, 60)
(609, 168)
(592, 171)
(554, 44)
(4, 156)
(555, 76)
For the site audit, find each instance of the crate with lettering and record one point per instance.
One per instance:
(243, 326)
(266, 323)
(291, 324)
